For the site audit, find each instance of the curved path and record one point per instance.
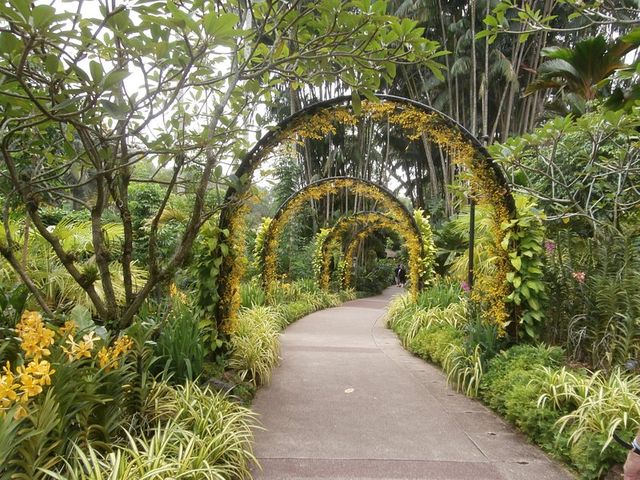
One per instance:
(348, 402)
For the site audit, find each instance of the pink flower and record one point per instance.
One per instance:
(579, 276)
(550, 246)
(465, 286)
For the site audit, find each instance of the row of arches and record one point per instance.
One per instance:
(397, 218)
(487, 186)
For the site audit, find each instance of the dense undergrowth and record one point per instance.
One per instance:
(570, 411)
(151, 404)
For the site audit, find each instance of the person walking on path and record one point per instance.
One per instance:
(396, 274)
(402, 275)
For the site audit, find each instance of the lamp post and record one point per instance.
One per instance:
(472, 237)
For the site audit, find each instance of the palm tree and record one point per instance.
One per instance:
(580, 74)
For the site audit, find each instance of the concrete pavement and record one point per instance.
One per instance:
(348, 402)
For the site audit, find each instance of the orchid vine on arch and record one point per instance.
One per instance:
(417, 229)
(488, 186)
(383, 222)
(398, 218)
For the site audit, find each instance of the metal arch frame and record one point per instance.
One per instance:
(284, 208)
(248, 163)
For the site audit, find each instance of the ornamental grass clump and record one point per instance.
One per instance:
(198, 433)
(454, 315)
(605, 404)
(255, 345)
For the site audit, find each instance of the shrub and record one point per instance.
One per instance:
(294, 310)
(302, 297)
(511, 387)
(434, 342)
(373, 279)
(516, 365)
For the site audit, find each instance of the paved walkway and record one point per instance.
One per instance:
(348, 402)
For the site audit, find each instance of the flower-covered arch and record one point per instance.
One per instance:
(363, 219)
(380, 223)
(487, 185)
(398, 218)
(335, 235)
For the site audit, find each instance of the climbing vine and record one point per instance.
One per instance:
(318, 260)
(258, 246)
(428, 259)
(526, 280)
(231, 249)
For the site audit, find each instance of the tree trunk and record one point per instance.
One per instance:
(474, 87)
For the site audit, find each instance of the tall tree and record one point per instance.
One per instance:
(175, 83)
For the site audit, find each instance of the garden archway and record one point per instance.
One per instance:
(356, 241)
(398, 217)
(488, 184)
(342, 226)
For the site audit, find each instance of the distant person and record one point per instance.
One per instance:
(396, 275)
(402, 275)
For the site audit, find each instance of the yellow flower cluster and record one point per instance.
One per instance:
(109, 358)
(35, 337)
(377, 111)
(28, 382)
(81, 349)
(33, 377)
(69, 328)
(177, 294)
(319, 125)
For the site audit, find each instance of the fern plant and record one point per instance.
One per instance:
(51, 277)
